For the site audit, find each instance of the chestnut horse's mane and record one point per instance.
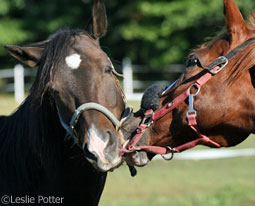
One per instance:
(252, 20)
(246, 59)
(242, 61)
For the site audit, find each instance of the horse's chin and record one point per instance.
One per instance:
(138, 159)
(101, 167)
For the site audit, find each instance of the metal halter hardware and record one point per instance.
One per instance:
(221, 61)
(191, 100)
(147, 119)
(171, 151)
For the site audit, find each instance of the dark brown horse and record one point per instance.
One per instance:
(39, 153)
(222, 108)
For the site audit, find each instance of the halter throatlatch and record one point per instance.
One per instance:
(149, 116)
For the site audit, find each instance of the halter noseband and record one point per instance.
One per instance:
(94, 106)
(150, 116)
(70, 129)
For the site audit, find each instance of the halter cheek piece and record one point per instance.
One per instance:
(150, 116)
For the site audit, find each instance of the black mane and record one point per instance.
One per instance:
(55, 49)
(35, 159)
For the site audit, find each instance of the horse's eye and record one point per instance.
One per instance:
(192, 62)
(108, 69)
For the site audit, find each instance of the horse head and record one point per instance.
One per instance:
(213, 105)
(80, 78)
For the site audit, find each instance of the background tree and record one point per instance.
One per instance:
(148, 31)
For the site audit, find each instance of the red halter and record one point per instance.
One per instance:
(150, 116)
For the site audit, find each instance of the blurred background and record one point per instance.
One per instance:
(147, 40)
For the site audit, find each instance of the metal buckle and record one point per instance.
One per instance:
(191, 100)
(196, 87)
(191, 105)
(147, 119)
(220, 60)
(172, 154)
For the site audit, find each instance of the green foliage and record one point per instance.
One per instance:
(11, 30)
(165, 31)
(148, 31)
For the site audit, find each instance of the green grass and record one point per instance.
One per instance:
(7, 104)
(223, 182)
(134, 104)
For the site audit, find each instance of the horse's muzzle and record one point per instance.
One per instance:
(136, 158)
(102, 149)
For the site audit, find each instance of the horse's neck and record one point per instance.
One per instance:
(30, 136)
(35, 159)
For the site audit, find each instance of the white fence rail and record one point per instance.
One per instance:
(130, 84)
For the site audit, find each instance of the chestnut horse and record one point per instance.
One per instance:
(212, 105)
(40, 153)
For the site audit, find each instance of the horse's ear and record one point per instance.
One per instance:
(98, 24)
(27, 55)
(235, 22)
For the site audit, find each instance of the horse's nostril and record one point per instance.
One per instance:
(111, 149)
(107, 137)
(110, 139)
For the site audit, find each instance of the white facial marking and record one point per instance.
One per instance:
(96, 144)
(73, 61)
